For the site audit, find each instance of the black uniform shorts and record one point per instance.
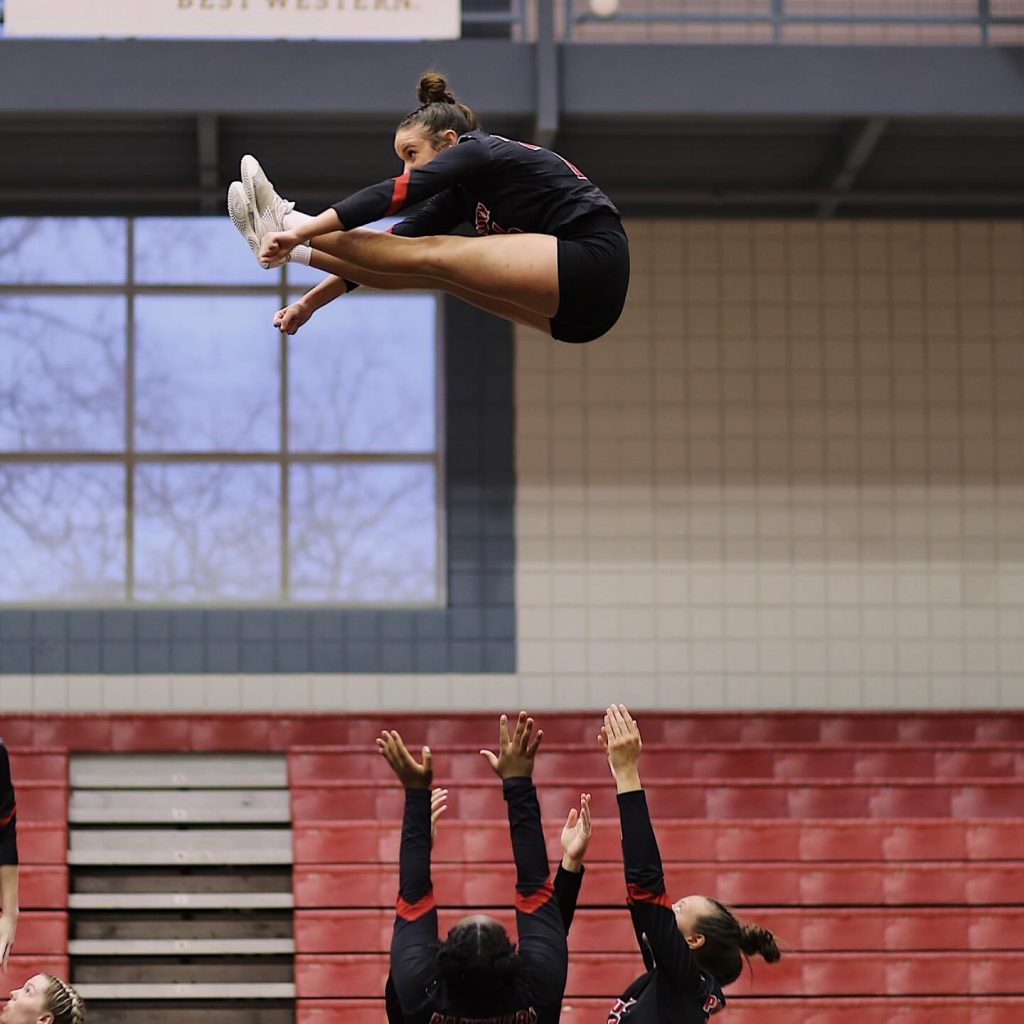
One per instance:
(593, 277)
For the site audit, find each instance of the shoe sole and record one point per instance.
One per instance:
(238, 211)
(250, 168)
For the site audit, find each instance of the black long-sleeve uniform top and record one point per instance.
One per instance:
(8, 812)
(496, 185)
(674, 990)
(542, 944)
(567, 893)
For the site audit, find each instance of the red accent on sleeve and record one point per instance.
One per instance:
(536, 900)
(399, 190)
(7, 819)
(414, 911)
(637, 895)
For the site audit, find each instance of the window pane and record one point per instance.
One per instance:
(361, 376)
(206, 374)
(62, 250)
(363, 533)
(62, 373)
(207, 532)
(62, 532)
(195, 250)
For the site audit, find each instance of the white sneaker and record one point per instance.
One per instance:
(241, 214)
(269, 209)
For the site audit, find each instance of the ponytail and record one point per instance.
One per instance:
(755, 939)
(725, 939)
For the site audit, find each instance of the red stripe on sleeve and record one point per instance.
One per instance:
(637, 895)
(399, 190)
(5, 821)
(414, 911)
(532, 903)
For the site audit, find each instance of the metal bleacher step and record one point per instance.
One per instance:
(181, 901)
(180, 846)
(181, 947)
(127, 1011)
(171, 771)
(219, 991)
(162, 806)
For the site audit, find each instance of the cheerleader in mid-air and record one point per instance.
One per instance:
(552, 253)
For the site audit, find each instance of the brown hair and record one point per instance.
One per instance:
(62, 1001)
(439, 110)
(725, 939)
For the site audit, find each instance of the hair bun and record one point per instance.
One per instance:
(755, 939)
(434, 89)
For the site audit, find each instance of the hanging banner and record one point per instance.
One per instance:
(235, 19)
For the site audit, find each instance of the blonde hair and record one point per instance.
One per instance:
(63, 1001)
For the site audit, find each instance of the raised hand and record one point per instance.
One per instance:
(516, 753)
(410, 774)
(620, 740)
(576, 835)
(438, 805)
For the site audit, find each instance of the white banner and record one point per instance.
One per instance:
(235, 19)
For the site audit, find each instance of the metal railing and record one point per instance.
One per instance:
(776, 16)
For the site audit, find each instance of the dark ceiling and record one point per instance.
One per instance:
(679, 130)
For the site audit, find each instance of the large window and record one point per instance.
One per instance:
(161, 443)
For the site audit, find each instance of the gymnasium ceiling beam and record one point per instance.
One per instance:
(376, 80)
(157, 126)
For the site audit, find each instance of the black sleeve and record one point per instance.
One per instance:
(542, 946)
(439, 215)
(8, 812)
(567, 893)
(448, 168)
(650, 907)
(414, 939)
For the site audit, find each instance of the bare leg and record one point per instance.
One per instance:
(407, 282)
(520, 269)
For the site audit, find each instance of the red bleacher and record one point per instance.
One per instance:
(41, 780)
(884, 850)
(993, 1010)
(102, 732)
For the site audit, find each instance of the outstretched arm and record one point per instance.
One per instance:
(450, 167)
(542, 945)
(413, 964)
(296, 313)
(654, 919)
(438, 216)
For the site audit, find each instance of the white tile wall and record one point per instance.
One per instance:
(792, 476)
(802, 482)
